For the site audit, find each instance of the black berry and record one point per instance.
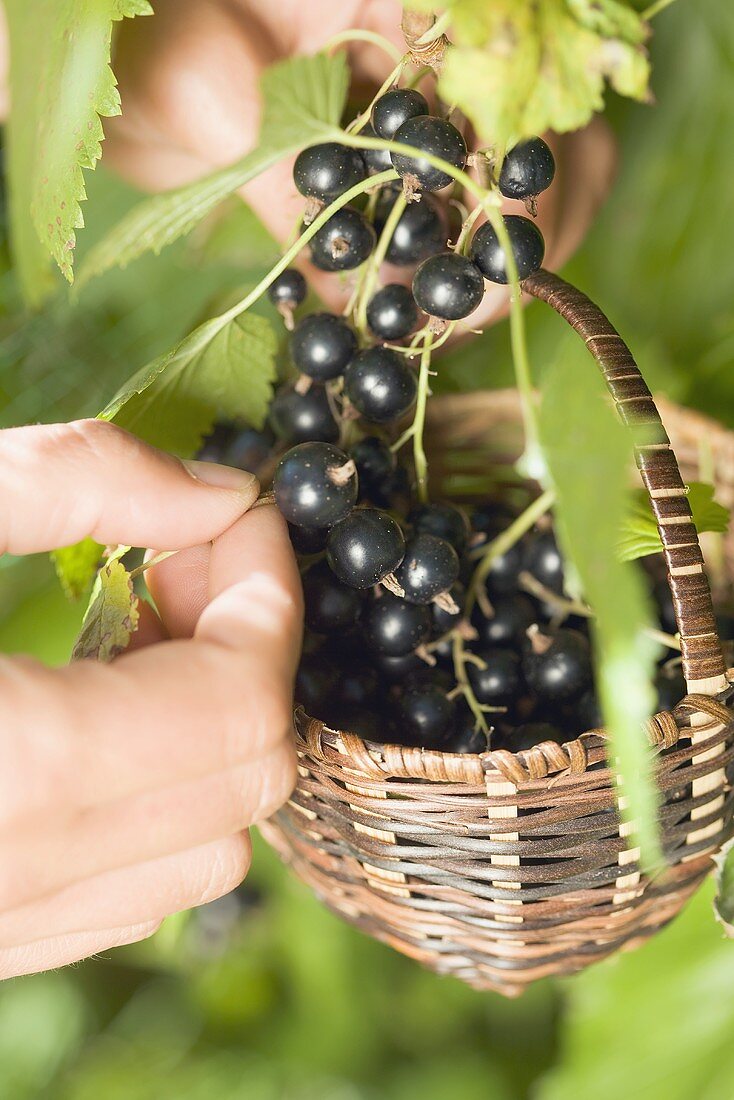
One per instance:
(430, 567)
(434, 136)
(394, 108)
(316, 682)
(543, 559)
(500, 681)
(527, 170)
(467, 739)
(394, 627)
(502, 578)
(557, 667)
(376, 160)
(392, 312)
(444, 618)
(344, 242)
(248, 448)
(330, 605)
(526, 241)
(425, 717)
(326, 171)
(507, 626)
(308, 540)
(443, 519)
(375, 464)
(303, 417)
(315, 485)
(448, 286)
(289, 289)
(322, 346)
(358, 685)
(380, 384)
(529, 735)
(364, 547)
(421, 229)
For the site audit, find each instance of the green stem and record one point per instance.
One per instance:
(364, 116)
(418, 75)
(419, 454)
(506, 540)
(372, 268)
(459, 659)
(434, 32)
(466, 227)
(655, 9)
(365, 36)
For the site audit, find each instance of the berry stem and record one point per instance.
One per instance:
(462, 680)
(373, 265)
(366, 36)
(419, 454)
(655, 9)
(364, 116)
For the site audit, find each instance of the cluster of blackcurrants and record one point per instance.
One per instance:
(385, 580)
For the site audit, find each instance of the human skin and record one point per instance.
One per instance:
(126, 789)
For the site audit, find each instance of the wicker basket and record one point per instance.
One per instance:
(505, 868)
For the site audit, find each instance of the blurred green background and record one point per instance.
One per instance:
(265, 995)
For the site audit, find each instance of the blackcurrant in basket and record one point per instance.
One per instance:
(399, 670)
(466, 738)
(303, 417)
(557, 666)
(394, 627)
(526, 241)
(500, 681)
(448, 286)
(380, 384)
(670, 685)
(503, 576)
(364, 547)
(543, 559)
(308, 540)
(330, 605)
(507, 625)
(448, 521)
(376, 160)
(370, 725)
(322, 346)
(375, 464)
(394, 108)
(289, 289)
(358, 685)
(430, 567)
(434, 136)
(445, 618)
(421, 229)
(525, 737)
(316, 682)
(528, 169)
(392, 312)
(344, 242)
(584, 713)
(425, 717)
(315, 485)
(326, 171)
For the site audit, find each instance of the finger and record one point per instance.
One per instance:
(180, 588)
(138, 895)
(37, 861)
(150, 629)
(48, 954)
(62, 482)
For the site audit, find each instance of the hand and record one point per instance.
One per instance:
(126, 789)
(189, 81)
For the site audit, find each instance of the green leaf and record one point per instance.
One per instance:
(588, 453)
(640, 536)
(519, 68)
(61, 83)
(222, 369)
(303, 101)
(76, 565)
(112, 616)
(724, 899)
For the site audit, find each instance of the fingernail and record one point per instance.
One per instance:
(221, 477)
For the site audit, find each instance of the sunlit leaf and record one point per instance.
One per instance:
(640, 536)
(76, 565)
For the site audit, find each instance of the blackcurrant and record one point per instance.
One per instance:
(443, 519)
(394, 627)
(330, 605)
(380, 384)
(670, 686)
(502, 578)
(370, 725)
(392, 312)
(394, 108)
(527, 169)
(490, 520)
(585, 713)
(289, 289)
(466, 738)
(326, 171)
(448, 286)
(527, 736)
(526, 241)
(344, 242)
(434, 136)
(364, 547)
(421, 229)
(315, 485)
(398, 670)
(444, 618)
(430, 567)
(358, 684)
(303, 417)
(425, 717)
(322, 346)
(375, 463)
(308, 540)
(507, 625)
(500, 681)
(249, 448)
(557, 666)
(543, 559)
(376, 160)
(316, 682)
(214, 446)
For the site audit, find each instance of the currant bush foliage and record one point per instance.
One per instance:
(597, 453)
(61, 84)
(76, 565)
(518, 68)
(640, 536)
(112, 616)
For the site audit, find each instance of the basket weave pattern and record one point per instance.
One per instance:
(504, 868)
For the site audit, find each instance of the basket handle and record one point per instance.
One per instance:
(703, 661)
